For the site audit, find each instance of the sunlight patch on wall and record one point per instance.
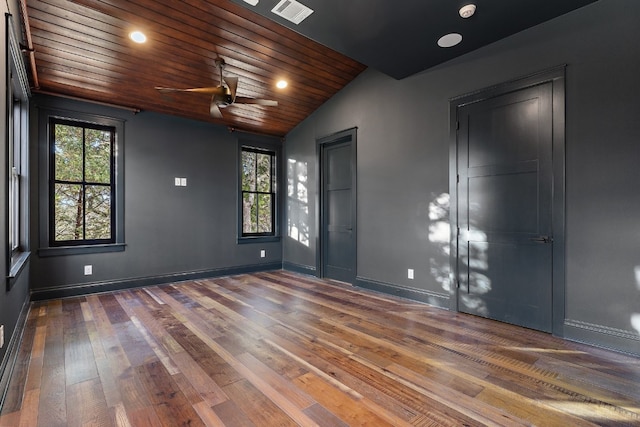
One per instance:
(440, 236)
(635, 317)
(297, 202)
(635, 321)
(474, 254)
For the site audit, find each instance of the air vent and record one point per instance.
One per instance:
(292, 10)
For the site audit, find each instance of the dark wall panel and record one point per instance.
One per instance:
(12, 302)
(403, 163)
(169, 230)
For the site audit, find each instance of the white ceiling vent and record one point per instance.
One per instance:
(292, 10)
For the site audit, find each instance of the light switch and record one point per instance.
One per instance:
(183, 182)
(177, 182)
(410, 273)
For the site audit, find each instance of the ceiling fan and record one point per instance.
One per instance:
(222, 96)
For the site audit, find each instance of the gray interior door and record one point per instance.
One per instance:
(338, 210)
(505, 242)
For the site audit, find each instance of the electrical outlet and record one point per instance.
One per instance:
(1, 336)
(88, 270)
(263, 253)
(410, 273)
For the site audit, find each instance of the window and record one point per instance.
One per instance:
(82, 183)
(258, 192)
(17, 116)
(81, 180)
(17, 136)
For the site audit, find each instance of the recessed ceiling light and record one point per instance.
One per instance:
(450, 40)
(252, 2)
(467, 11)
(282, 84)
(138, 37)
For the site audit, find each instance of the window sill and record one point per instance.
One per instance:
(258, 239)
(17, 264)
(80, 250)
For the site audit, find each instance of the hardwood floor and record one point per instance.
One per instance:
(280, 349)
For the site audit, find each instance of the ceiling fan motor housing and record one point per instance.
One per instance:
(225, 99)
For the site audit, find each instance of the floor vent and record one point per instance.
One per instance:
(292, 10)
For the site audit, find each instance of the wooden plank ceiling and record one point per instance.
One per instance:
(82, 50)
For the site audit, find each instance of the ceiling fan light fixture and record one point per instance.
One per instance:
(282, 84)
(138, 37)
(449, 40)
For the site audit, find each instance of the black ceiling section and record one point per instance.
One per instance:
(399, 37)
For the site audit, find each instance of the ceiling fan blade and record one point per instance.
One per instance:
(265, 102)
(233, 85)
(214, 110)
(217, 90)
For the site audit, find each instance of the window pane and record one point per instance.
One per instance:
(264, 173)
(17, 137)
(258, 191)
(68, 153)
(98, 212)
(249, 213)
(14, 210)
(248, 171)
(68, 212)
(98, 156)
(264, 213)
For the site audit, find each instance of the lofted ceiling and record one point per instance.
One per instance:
(399, 37)
(81, 49)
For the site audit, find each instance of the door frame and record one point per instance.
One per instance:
(555, 76)
(347, 135)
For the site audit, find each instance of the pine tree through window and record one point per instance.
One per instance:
(82, 180)
(258, 192)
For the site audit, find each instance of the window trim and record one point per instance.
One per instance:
(257, 193)
(258, 145)
(17, 95)
(46, 249)
(53, 121)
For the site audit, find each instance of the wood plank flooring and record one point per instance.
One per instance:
(280, 349)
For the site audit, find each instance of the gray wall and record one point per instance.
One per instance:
(13, 301)
(169, 231)
(403, 165)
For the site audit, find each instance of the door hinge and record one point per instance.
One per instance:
(458, 179)
(458, 125)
